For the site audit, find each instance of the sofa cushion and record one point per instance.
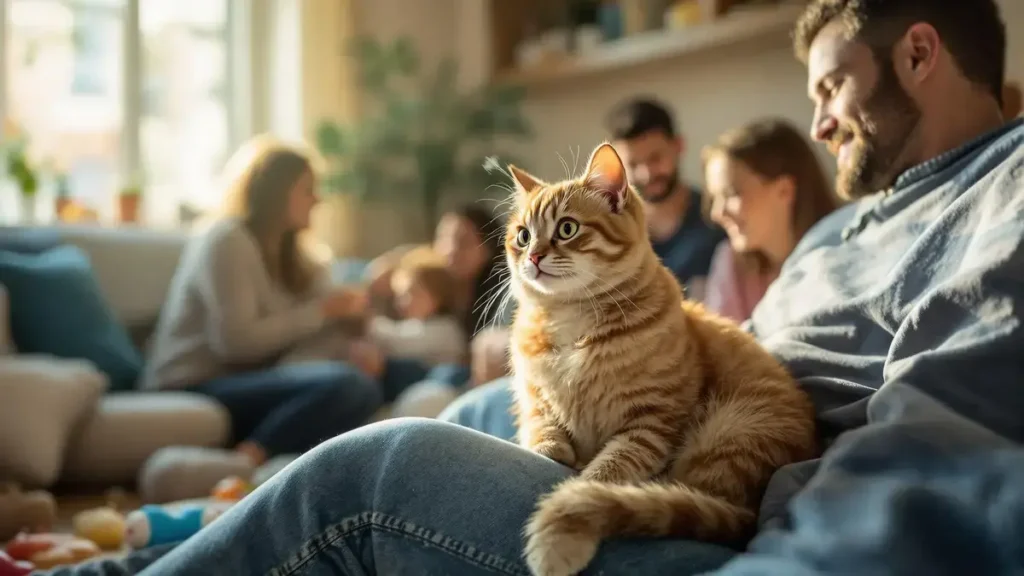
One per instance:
(126, 429)
(44, 399)
(133, 266)
(28, 240)
(57, 309)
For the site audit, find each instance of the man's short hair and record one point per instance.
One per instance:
(972, 31)
(639, 116)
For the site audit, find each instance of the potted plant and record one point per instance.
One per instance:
(19, 169)
(422, 138)
(25, 177)
(129, 201)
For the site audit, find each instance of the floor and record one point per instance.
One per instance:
(69, 505)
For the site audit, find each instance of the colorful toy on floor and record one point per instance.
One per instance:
(11, 567)
(153, 525)
(105, 526)
(48, 550)
(231, 489)
(35, 511)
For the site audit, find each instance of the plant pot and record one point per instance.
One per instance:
(128, 208)
(29, 212)
(60, 205)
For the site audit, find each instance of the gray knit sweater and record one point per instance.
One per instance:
(224, 314)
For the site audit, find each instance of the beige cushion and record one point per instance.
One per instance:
(129, 427)
(133, 266)
(44, 399)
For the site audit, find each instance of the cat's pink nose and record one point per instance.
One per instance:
(535, 257)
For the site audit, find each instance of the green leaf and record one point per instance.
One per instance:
(404, 56)
(411, 141)
(330, 139)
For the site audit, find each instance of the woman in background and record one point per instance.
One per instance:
(464, 240)
(463, 237)
(766, 188)
(245, 295)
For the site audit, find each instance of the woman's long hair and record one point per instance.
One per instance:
(773, 148)
(489, 277)
(259, 180)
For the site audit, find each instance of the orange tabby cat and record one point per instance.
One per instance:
(674, 417)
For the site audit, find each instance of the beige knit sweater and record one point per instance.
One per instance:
(224, 314)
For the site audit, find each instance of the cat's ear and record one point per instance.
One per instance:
(607, 175)
(526, 183)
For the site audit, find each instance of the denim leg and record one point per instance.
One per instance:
(292, 408)
(486, 409)
(399, 374)
(405, 496)
(454, 375)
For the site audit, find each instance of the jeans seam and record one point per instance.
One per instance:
(393, 525)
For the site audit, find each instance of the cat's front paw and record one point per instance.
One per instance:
(561, 452)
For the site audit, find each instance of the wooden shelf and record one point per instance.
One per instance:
(740, 25)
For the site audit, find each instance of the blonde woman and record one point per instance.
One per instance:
(246, 293)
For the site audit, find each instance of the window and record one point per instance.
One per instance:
(62, 91)
(109, 91)
(184, 130)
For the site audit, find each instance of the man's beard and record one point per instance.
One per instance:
(671, 185)
(889, 118)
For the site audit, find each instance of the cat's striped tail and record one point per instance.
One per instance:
(569, 523)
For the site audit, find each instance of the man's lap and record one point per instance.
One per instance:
(486, 408)
(408, 495)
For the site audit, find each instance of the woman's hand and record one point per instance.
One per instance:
(489, 355)
(347, 302)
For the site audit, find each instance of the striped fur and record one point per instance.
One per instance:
(674, 418)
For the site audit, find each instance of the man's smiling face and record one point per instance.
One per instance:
(862, 111)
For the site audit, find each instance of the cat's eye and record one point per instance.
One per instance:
(523, 238)
(567, 228)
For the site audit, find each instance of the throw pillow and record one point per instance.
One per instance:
(44, 399)
(57, 309)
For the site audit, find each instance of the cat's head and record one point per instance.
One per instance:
(576, 237)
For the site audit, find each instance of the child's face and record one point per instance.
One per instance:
(412, 300)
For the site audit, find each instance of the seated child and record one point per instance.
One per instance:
(426, 329)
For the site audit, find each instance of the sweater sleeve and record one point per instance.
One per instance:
(238, 329)
(435, 341)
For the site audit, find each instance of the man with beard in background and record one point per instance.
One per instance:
(644, 134)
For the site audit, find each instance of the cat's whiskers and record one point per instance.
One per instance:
(503, 306)
(565, 166)
(613, 287)
(614, 300)
(501, 290)
(598, 317)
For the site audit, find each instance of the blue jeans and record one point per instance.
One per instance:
(485, 408)
(401, 373)
(420, 496)
(408, 496)
(290, 409)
